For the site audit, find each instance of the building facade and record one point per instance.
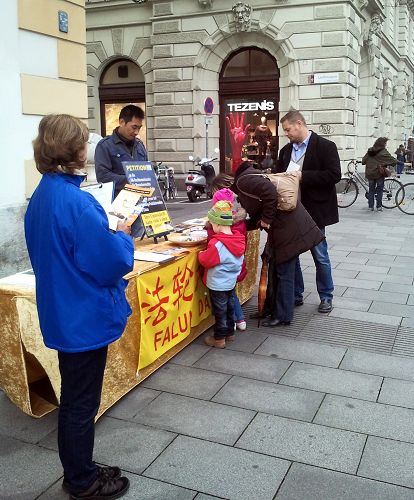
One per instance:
(43, 71)
(348, 66)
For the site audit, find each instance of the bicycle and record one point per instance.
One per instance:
(166, 180)
(347, 189)
(404, 198)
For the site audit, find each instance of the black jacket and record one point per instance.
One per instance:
(321, 171)
(292, 233)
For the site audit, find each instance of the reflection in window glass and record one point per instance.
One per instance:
(112, 118)
(262, 64)
(263, 125)
(238, 65)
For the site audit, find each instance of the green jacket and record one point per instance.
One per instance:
(373, 159)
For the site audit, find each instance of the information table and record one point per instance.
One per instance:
(29, 372)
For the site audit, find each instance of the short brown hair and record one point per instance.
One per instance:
(60, 141)
(293, 116)
(222, 181)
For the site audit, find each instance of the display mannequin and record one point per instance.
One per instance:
(262, 135)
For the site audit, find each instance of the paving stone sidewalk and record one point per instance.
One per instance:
(322, 409)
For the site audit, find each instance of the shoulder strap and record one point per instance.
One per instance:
(248, 194)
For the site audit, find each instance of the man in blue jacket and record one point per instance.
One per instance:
(78, 264)
(122, 145)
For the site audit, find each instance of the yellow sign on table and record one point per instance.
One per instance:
(172, 300)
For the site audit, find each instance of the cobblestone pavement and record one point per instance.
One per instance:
(322, 409)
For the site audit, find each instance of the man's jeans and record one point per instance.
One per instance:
(82, 376)
(222, 305)
(324, 281)
(376, 188)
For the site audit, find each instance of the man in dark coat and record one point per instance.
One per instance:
(319, 162)
(290, 234)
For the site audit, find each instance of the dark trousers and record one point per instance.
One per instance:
(82, 376)
(376, 188)
(284, 298)
(222, 305)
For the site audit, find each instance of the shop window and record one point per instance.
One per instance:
(121, 83)
(249, 84)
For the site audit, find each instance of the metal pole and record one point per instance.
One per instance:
(206, 139)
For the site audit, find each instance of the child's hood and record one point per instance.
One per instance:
(235, 242)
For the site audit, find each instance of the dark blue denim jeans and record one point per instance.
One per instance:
(284, 299)
(82, 376)
(324, 281)
(400, 167)
(376, 188)
(238, 311)
(222, 305)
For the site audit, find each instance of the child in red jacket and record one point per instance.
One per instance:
(239, 224)
(222, 261)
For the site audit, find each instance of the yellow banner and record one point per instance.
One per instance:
(172, 299)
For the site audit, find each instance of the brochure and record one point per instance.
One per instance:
(128, 205)
(153, 256)
(154, 216)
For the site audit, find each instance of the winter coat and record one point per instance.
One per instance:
(292, 233)
(239, 225)
(222, 260)
(78, 264)
(375, 158)
(110, 152)
(320, 172)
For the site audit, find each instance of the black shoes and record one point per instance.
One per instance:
(325, 306)
(110, 472)
(298, 302)
(275, 322)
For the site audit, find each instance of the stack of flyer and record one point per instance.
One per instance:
(128, 205)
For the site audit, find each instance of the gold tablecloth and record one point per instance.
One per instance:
(29, 372)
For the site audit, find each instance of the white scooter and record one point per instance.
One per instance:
(198, 182)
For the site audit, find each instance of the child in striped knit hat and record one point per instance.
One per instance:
(239, 224)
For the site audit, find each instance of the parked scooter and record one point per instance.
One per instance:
(198, 182)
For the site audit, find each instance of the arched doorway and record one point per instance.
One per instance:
(249, 83)
(121, 83)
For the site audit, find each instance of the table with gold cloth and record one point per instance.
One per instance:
(29, 372)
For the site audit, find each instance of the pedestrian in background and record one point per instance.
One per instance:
(401, 158)
(78, 264)
(318, 160)
(222, 261)
(374, 160)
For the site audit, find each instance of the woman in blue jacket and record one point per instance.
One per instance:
(79, 264)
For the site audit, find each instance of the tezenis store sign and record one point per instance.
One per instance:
(252, 106)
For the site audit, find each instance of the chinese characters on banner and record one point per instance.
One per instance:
(172, 300)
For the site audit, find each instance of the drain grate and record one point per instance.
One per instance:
(350, 333)
(404, 342)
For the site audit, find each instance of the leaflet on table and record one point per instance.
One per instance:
(154, 212)
(128, 205)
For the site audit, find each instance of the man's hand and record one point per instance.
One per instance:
(237, 136)
(122, 226)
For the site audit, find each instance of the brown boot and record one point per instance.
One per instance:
(212, 342)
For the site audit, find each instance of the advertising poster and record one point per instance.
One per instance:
(154, 214)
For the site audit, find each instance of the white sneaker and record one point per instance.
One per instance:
(241, 325)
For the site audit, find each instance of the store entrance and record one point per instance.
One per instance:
(249, 84)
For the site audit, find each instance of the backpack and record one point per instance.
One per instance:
(287, 188)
